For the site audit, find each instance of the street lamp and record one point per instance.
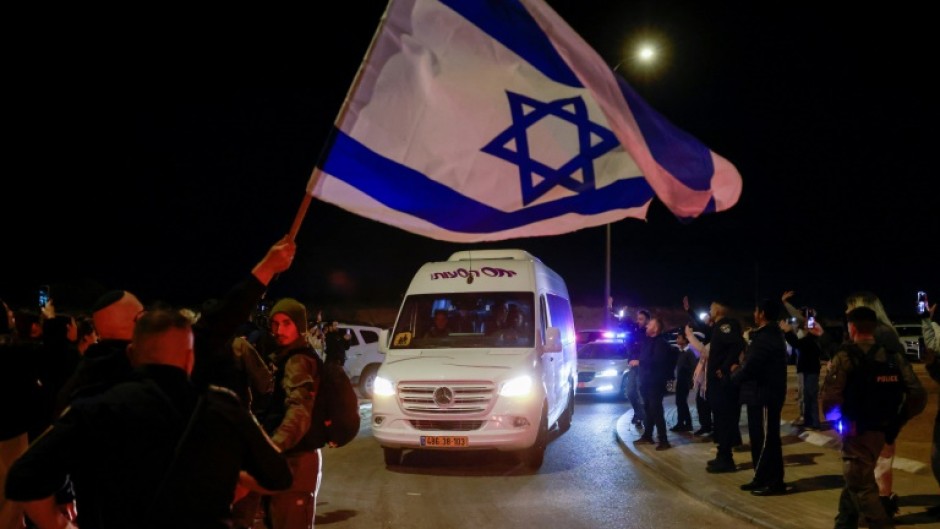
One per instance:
(645, 58)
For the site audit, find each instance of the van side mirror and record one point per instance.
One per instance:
(552, 340)
(383, 341)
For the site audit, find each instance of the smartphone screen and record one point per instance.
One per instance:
(43, 296)
(921, 302)
(810, 318)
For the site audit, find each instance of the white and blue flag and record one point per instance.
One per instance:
(477, 120)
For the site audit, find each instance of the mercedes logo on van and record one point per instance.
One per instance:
(443, 396)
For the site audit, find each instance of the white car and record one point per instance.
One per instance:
(363, 357)
(912, 337)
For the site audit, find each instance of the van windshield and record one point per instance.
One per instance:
(470, 319)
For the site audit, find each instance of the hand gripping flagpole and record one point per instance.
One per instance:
(316, 174)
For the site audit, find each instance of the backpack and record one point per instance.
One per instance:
(875, 391)
(336, 409)
(335, 418)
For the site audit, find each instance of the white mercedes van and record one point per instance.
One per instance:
(482, 356)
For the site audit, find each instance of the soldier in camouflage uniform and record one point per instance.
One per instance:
(289, 417)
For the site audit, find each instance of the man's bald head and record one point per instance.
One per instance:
(114, 314)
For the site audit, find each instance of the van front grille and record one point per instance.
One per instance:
(446, 398)
(444, 425)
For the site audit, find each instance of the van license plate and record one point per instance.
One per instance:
(444, 441)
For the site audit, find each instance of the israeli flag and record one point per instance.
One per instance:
(475, 120)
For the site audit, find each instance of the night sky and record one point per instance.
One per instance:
(167, 152)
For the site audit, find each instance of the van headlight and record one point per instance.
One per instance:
(516, 387)
(383, 387)
(608, 373)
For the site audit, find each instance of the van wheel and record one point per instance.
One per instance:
(392, 456)
(533, 457)
(564, 422)
(367, 380)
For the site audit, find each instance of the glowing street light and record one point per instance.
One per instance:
(646, 53)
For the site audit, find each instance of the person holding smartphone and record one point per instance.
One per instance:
(808, 365)
(794, 325)
(931, 330)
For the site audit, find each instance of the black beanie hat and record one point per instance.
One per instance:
(295, 310)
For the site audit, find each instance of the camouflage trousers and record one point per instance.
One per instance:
(860, 494)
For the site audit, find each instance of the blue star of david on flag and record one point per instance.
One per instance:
(512, 145)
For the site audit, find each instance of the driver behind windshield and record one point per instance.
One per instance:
(439, 326)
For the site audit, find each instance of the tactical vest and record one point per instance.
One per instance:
(875, 390)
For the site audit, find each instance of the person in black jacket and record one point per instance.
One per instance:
(763, 380)
(19, 384)
(105, 363)
(808, 358)
(657, 363)
(337, 343)
(685, 366)
(637, 336)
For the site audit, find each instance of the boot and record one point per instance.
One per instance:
(890, 503)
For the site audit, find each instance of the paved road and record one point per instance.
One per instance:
(587, 482)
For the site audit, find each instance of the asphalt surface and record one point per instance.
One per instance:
(813, 468)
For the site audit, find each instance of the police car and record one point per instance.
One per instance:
(602, 364)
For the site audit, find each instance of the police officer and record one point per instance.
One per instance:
(725, 347)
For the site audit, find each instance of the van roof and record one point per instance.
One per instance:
(474, 255)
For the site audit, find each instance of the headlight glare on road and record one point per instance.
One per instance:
(383, 387)
(517, 387)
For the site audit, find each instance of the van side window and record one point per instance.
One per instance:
(543, 319)
(559, 315)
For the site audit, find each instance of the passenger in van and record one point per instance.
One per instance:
(496, 320)
(439, 327)
(515, 330)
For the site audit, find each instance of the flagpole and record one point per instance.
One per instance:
(608, 305)
(298, 219)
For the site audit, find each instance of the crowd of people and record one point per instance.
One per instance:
(109, 418)
(160, 416)
(868, 392)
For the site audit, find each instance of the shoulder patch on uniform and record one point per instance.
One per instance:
(725, 328)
